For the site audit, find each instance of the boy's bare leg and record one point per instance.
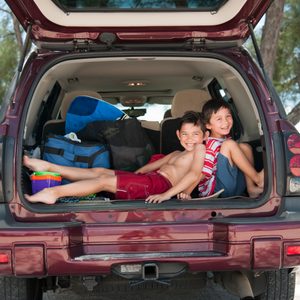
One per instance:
(80, 188)
(253, 189)
(244, 161)
(70, 173)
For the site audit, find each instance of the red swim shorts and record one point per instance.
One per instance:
(140, 186)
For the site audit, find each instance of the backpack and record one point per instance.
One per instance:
(129, 144)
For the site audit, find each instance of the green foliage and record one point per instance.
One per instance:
(287, 65)
(8, 54)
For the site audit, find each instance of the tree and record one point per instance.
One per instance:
(10, 47)
(280, 48)
(287, 64)
(270, 35)
(294, 115)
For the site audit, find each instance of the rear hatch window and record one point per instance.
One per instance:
(79, 5)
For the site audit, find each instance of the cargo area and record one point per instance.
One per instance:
(155, 90)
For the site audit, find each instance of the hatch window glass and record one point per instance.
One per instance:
(96, 5)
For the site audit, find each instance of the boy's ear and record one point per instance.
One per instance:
(178, 134)
(208, 126)
(206, 135)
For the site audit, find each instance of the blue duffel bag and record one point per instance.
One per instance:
(63, 151)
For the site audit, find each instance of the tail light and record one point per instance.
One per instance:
(293, 146)
(4, 258)
(293, 250)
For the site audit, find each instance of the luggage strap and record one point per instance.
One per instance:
(76, 158)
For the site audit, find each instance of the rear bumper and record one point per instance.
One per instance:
(80, 249)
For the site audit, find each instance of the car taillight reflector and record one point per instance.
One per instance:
(3, 258)
(295, 165)
(293, 146)
(293, 143)
(293, 250)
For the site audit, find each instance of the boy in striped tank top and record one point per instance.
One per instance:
(228, 165)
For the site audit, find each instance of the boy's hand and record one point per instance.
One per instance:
(157, 198)
(139, 171)
(184, 196)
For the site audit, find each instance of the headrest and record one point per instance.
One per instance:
(70, 96)
(186, 100)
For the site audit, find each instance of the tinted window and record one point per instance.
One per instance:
(96, 5)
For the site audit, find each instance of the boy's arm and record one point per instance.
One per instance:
(206, 171)
(189, 179)
(155, 165)
(190, 189)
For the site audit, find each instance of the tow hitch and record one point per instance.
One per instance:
(150, 271)
(158, 272)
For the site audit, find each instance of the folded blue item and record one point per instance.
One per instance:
(84, 110)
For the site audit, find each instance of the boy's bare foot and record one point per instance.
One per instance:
(255, 191)
(47, 196)
(261, 178)
(35, 164)
(184, 196)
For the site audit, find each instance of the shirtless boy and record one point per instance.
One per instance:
(156, 182)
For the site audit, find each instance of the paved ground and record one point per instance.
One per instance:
(212, 292)
(297, 291)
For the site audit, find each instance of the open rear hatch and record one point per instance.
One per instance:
(63, 20)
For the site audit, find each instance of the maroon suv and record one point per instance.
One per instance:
(145, 57)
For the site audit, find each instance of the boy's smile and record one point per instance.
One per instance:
(189, 136)
(220, 123)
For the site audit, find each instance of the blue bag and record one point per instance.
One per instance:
(65, 152)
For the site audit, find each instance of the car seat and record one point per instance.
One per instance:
(183, 101)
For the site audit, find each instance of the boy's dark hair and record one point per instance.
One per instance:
(212, 106)
(192, 117)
